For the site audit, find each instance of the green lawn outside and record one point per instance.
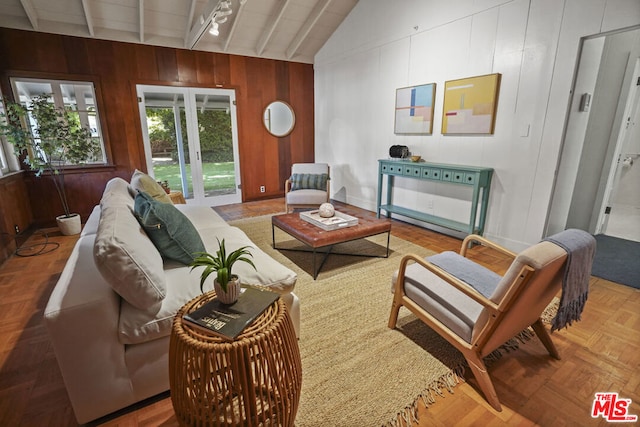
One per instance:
(217, 176)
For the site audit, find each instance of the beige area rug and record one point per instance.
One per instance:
(357, 371)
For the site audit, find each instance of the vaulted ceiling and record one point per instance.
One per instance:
(291, 30)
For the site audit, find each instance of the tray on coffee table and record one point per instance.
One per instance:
(338, 220)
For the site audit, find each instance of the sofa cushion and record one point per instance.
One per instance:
(117, 193)
(201, 217)
(170, 230)
(140, 181)
(182, 284)
(127, 259)
(91, 225)
(268, 272)
(138, 326)
(309, 181)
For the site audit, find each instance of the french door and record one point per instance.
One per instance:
(191, 141)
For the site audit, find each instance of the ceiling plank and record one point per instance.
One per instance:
(141, 18)
(306, 28)
(88, 17)
(268, 32)
(192, 11)
(27, 5)
(234, 26)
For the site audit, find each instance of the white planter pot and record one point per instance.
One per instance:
(69, 226)
(232, 293)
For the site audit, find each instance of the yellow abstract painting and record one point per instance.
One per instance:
(470, 105)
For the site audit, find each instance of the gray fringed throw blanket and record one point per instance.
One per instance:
(580, 247)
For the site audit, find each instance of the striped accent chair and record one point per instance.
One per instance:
(307, 187)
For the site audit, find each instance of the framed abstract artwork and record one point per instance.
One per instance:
(414, 109)
(470, 105)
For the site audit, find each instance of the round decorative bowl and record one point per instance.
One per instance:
(415, 158)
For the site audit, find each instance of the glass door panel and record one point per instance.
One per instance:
(169, 141)
(191, 141)
(215, 132)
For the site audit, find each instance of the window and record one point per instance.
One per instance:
(78, 98)
(8, 161)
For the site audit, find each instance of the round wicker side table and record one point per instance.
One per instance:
(254, 380)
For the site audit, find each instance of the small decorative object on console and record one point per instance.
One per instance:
(326, 210)
(399, 151)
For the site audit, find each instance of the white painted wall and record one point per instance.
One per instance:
(382, 46)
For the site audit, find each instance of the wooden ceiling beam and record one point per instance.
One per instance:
(234, 25)
(141, 19)
(88, 17)
(192, 11)
(306, 28)
(268, 32)
(202, 23)
(27, 5)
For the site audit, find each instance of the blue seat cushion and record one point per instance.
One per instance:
(478, 277)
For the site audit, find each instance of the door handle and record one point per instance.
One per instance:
(198, 155)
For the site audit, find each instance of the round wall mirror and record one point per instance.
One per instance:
(279, 118)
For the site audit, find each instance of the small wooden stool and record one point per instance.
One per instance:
(253, 380)
(177, 198)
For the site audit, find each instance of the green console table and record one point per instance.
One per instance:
(478, 178)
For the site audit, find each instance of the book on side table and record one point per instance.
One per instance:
(228, 321)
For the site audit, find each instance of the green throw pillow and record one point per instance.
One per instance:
(170, 230)
(300, 181)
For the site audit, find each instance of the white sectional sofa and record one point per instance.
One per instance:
(112, 347)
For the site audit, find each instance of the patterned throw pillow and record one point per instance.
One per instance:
(170, 230)
(301, 181)
(140, 181)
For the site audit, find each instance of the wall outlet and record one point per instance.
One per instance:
(262, 189)
(430, 204)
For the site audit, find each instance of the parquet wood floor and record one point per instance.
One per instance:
(601, 353)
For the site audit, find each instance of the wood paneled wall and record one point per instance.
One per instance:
(15, 211)
(116, 68)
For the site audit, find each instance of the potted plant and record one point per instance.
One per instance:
(226, 284)
(48, 138)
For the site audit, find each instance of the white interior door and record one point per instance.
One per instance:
(191, 141)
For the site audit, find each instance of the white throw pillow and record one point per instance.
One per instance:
(127, 259)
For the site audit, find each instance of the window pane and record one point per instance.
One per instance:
(5, 148)
(77, 98)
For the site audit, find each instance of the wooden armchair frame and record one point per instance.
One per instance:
(502, 319)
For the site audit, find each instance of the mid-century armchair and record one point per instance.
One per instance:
(308, 186)
(477, 310)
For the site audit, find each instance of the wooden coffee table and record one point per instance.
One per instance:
(322, 241)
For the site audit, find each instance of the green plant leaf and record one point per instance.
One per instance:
(47, 138)
(221, 262)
